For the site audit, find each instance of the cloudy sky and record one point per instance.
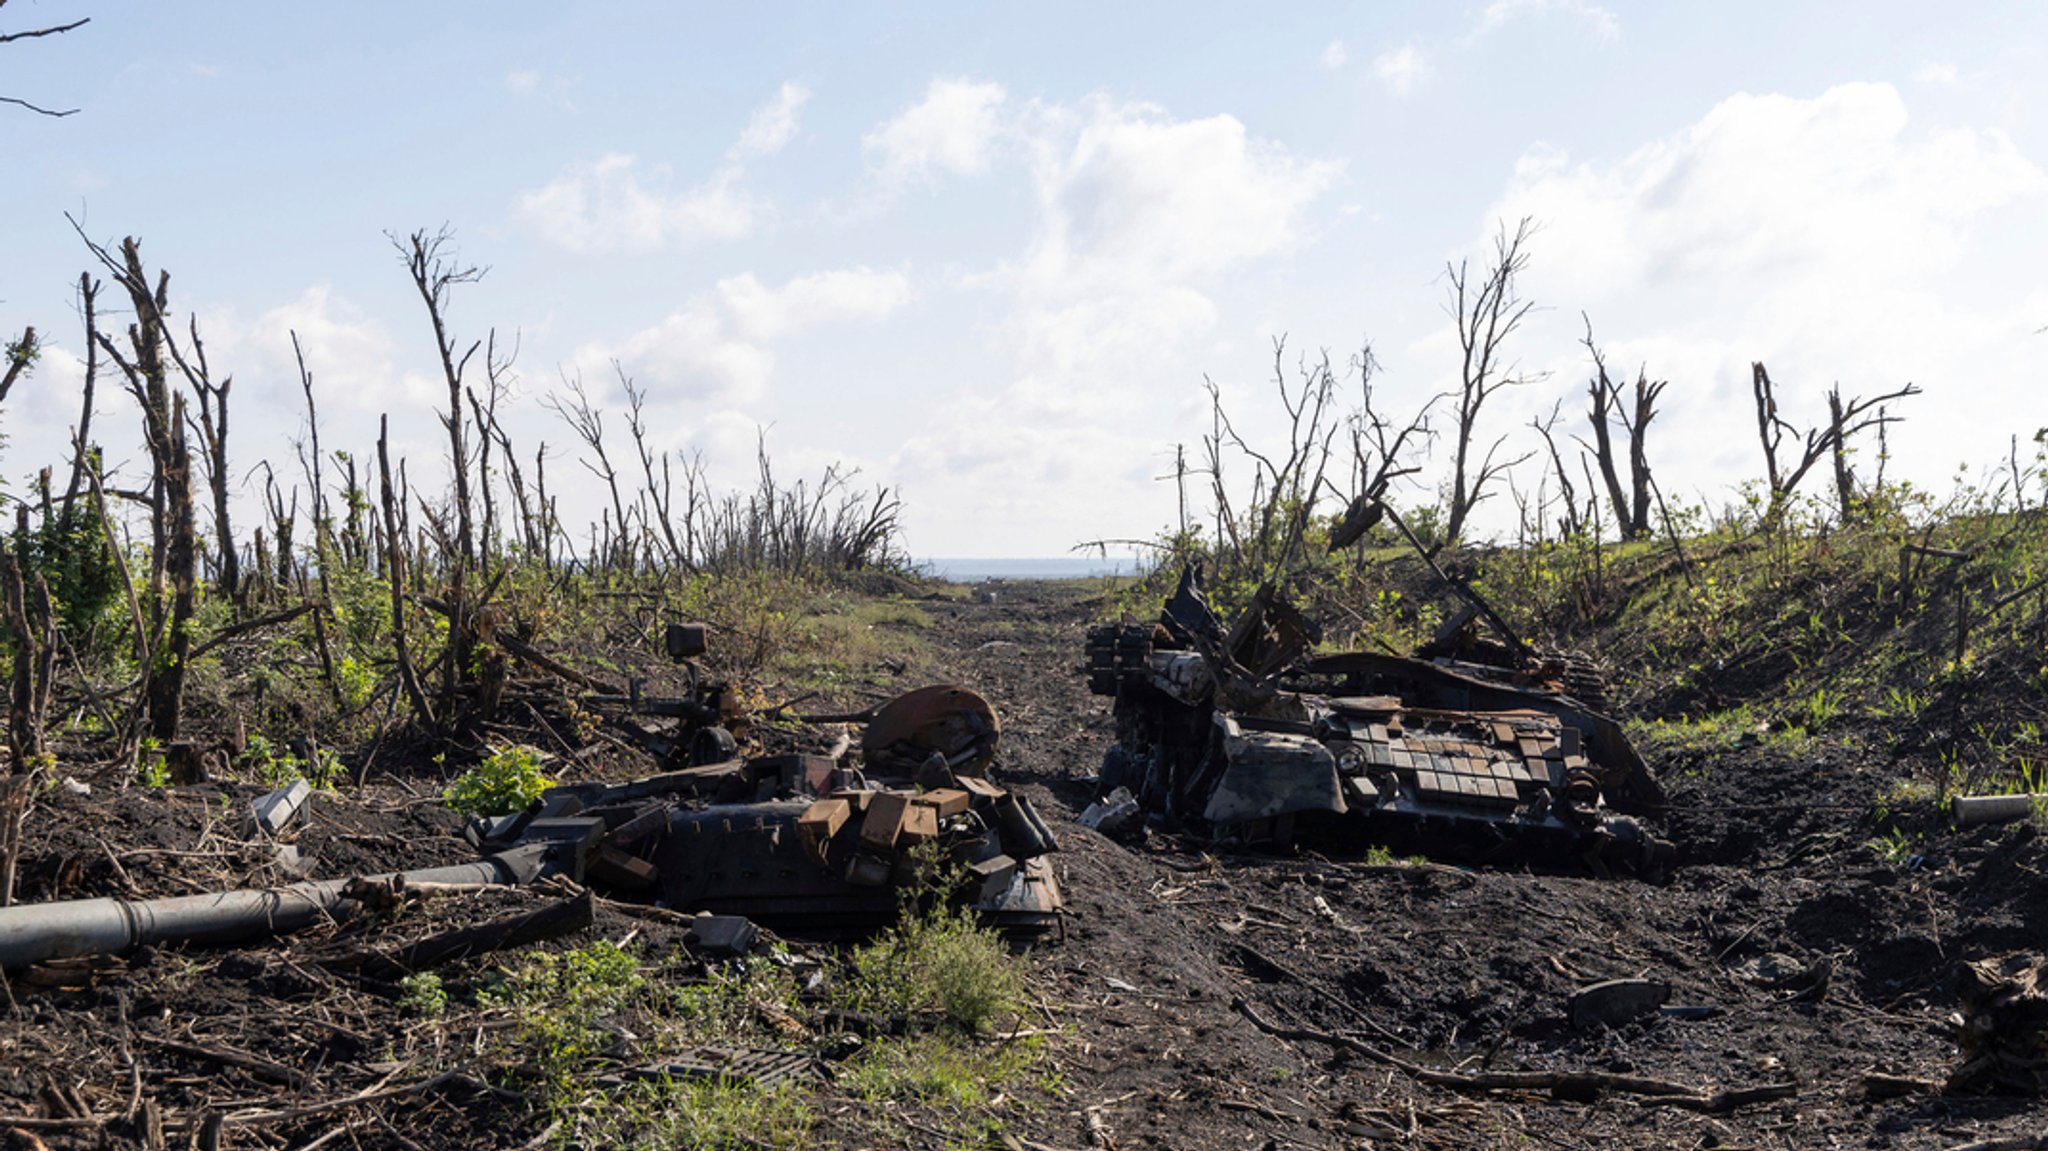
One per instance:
(988, 254)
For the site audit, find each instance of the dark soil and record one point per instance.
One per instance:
(1166, 944)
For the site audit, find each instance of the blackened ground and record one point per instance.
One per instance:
(1466, 969)
(1822, 958)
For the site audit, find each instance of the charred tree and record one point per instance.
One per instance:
(1847, 419)
(587, 421)
(1487, 309)
(173, 526)
(435, 273)
(1378, 449)
(1631, 504)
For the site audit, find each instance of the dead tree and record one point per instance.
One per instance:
(21, 356)
(394, 574)
(1631, 505)
(1378, 450)
(435, 272)
(213, 438)
(1574, 520)
(1846, 420)
(498, 381)
(1487, 310)
(173, 527)
(33, 624)
(81, 437)
(660, 493)
(36, 34)
(587, 421)
(1263, 535)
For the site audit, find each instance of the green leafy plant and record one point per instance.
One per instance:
(940, 961)
(276, 766)
(505, 781)
(562, 1003)
(423, 994)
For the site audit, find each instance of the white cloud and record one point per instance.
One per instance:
(1334, 56)
(718, 348)
(852, 295)
(1142, 217)
(522, 81)
(1604, 26)
(773, 124)
(950, 132)
(1402, 69)
(351, 355)
(606, 206)
(1765, 185)
(615, 204)
(1827, 237)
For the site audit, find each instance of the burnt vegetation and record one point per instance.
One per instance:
(1817, 665)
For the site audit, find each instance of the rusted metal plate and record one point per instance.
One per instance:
(945, 718)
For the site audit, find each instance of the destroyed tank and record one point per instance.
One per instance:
(1243, 735)
(816, 846)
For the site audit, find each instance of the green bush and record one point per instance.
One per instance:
(940, 961)
(70, 550)
(278, 766)
(506, 781)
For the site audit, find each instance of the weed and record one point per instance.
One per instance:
(727, 1003)
(1817, 710)
(939, 961)
(563, 1002)
(278, 767)
(424, 996)
(1895, 847)
(1902, 794)
(1903, 704)
(954, 1072)
(505, 781)
(711, 1116)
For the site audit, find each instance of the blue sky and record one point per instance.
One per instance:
(988, 254)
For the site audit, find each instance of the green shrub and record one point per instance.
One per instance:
(505, 781)
(940, 961)
(424, 996)
(278, 766)
(563, 1002)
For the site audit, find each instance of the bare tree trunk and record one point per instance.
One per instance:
(172, 525)
(34, 627)
(1846, 420)
(587, 422)
(394, 574)
(81, 437)
(1487, 314)
(1631, 507)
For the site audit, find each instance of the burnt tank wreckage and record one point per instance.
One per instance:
(1243, 735)
(817, 846)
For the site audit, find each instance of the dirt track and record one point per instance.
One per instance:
(1166, 947)
(1465, 969)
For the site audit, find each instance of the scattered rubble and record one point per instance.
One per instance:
(2002, 1030)
(803, 844)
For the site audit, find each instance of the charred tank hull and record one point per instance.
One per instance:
(1239, 737)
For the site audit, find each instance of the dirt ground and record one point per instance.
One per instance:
(1820, 961)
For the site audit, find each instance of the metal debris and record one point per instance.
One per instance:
(273, 811)
(1617, 1001)
(1241, 734)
